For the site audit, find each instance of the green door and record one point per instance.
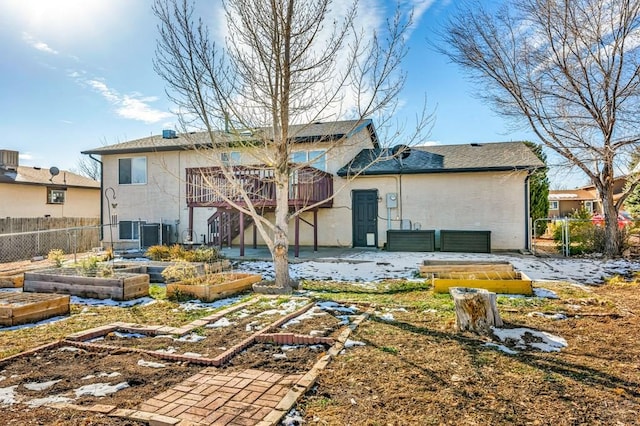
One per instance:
(365, 218)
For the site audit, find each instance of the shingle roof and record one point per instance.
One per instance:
(39, 176)
(300, 133)
(499, 156)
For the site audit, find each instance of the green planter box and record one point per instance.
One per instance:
(409, 240)
(465, 241)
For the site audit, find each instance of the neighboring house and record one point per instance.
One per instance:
(565, 201)
(35, 192)
(163, 180)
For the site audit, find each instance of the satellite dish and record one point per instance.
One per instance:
(54, 172)
(401, 151)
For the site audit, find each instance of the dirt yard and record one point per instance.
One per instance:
(405, 365)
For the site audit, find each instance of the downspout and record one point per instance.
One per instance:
(101, 198)
(527, 212)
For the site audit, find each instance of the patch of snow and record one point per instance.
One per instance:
(93, 376)
(55, 399)
(316, 333)
(548, 342)
(380, 265)
(289, 347)
(8, 395)
(192, 354)
(40, 386)
(502, 348)
(279, 356)
(2, 378)
(336, 307)
(351, 343)
(142, 301)
(544, 293)
(222, 322)
(69, 349)
(169, 350)
(293, 418)
(150, 364)
(96, 339)
(556, 317)
(194, 305)
(191, 338)
(123, 335)
(100, 389)
(310, 314)
(387, 317)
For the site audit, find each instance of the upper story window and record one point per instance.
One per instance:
(316, 158)
(132, 170)
(230, 158)
(589, 206)
(553, 205)
(55, 196)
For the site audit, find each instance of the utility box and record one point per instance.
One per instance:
(392, 200)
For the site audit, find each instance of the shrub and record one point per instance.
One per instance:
(57, 257)
(181, 271)
(158, 253)
(584, 235)
(89, 266)
(178, 253)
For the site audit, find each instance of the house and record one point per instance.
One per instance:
(36, 192)
(161, 185)
(565, 201)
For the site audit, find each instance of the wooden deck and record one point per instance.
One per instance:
(208, 187)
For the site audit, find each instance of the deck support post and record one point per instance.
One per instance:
(315, 230)
(297, 236)
(190, 230)
(241, 234)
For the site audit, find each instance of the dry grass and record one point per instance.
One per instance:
(417, 369)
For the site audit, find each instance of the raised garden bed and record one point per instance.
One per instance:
(216, 286)
(21, 308)
(155, 268)
(120, 286)
(11, 281)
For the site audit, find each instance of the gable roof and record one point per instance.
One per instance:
(301, 133)
(499, 156)
(39, 176)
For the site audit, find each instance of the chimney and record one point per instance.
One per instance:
(8, 160)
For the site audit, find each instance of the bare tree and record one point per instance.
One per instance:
(567, 69)
(284, 63)
(88, 168)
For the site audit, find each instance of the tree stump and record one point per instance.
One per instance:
(476, 309)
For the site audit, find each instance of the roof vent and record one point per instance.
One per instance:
(169, 134)
(476, 144)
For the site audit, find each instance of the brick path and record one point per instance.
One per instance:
(247, 397)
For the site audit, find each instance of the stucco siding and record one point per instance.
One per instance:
(24, 200)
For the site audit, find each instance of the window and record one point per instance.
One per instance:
(230, 158)
(132, 170)
(129, 229)
(315, 159)
(589, 206)
(553, 205)
(55, 196)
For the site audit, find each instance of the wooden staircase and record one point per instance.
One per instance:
(224, 226)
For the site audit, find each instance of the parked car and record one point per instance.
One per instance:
(624, 219)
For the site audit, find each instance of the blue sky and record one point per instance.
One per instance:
(78, 74)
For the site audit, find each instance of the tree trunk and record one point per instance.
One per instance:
(612, 243)
(476, 309)
(281, 233)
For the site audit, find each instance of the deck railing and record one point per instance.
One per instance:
(209, 187)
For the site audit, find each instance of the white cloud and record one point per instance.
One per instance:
(131, 106)
(37, 44)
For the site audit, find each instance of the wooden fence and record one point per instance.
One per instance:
(25, 238)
